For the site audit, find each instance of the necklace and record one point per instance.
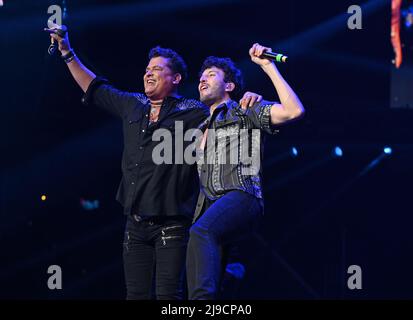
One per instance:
(154, 114)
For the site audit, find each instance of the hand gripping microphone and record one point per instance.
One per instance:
(61, 32)
(277, 57)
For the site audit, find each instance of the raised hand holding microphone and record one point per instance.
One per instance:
(290, 107)
(256, 52)
(263, 55)
(59, 34)
(82, 75)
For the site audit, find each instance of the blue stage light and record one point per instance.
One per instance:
(388, 150)
(338, 152)
(408, 17)
(294, 152)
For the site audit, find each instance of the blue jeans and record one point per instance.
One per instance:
(155, 249)
(223, 222)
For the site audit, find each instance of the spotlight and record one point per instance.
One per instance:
(338, 152)
(294, 152)
(43, 197)
(408, 17)
(388, 150)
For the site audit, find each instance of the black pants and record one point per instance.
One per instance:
(155, 249)
(224, 222)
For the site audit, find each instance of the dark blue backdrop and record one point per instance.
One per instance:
(323, 213)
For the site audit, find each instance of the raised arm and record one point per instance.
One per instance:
(82, 75)
(290, 107)
(97, 90)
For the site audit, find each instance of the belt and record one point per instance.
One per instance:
(139, 218)
(159, 219)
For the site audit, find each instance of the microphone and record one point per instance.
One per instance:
(277, 57)
(61, 32)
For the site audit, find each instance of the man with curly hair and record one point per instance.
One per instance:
(231, 198)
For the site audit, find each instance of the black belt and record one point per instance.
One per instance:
(159, 219)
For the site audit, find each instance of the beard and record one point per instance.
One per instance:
(212, 97)
(208, 100)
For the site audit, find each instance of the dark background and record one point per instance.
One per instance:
(323, 213)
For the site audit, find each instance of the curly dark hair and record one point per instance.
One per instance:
(232, 73)
(176, 62)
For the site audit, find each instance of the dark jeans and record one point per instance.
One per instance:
(155, 245)
(225, 221)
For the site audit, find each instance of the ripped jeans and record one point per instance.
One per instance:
(156, 245)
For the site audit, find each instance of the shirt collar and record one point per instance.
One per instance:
(167, 99)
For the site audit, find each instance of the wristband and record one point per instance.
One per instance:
(69, 56)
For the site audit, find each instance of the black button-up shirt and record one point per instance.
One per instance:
(150, 189)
